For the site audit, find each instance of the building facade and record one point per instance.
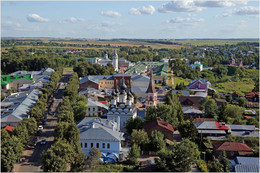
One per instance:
(122, 106)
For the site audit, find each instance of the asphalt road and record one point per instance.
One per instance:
(32, 155)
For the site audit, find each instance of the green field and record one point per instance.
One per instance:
(155, 44)
(241, 87)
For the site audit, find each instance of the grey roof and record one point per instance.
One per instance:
(245, 134)
(99, 132)
(247, 160)
(246, 168)
(190, 110)
(212, 131)
(206, 125)
(92, 102)
(26, 72)
(141, 78)
(50, 70)
(184, 92)
(201, 94)
(139, 89)
(25, 101)
(204, 81)
(121, 74)
(95, 78)
(104, 122)
(241, 127)
(216, 138)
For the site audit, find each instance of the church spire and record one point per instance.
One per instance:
(151, 88)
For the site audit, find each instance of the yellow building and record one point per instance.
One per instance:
(106, 83)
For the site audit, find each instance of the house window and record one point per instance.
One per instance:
(92, 145)
(88, 109)
(103, 145)
(97, 145)
(108, 145)
(232, 153)
(86, 145)
(81, 144)
(93, 109)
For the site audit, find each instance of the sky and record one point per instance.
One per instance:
(177, 19)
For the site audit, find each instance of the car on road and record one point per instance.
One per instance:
(43, 142)
(40, 127)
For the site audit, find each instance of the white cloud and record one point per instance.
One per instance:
(179, 6)
(112, 14)
(245, 11)
(36, 18)
(220, 3)
(197, 5)
(185, 20)
(142, 10)
(72, 20)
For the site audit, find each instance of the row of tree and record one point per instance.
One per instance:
(12, 145)
(66, 152)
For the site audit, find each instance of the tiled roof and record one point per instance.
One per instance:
(232, 146)
(9, 128)
(155, 123)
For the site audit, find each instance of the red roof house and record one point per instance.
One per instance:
(252, 96)
(165, 128)
(9, 129)
(232, 149)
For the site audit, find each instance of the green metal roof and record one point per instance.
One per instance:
(6, 79)
(161, 69)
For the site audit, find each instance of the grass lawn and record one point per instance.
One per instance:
(241, 87)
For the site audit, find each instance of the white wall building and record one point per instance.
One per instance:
(100, 133)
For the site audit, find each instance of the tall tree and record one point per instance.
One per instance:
(188, 130)
(224, 161)
(58, 157)
(180, 158)
(140, 137)
(163, 112)
(95, 155)
(157, 142)
(80, 110)
(133, 154)
(134, 123)
(11, 150)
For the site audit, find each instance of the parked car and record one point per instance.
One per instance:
(43, 142)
